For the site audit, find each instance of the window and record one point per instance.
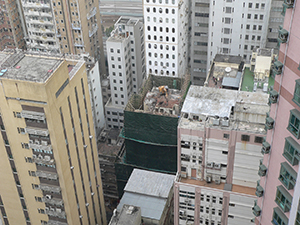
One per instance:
(291, 151)
(250, 5)
(278, 217)
(296, 97)
(283, 199)
(226, 136)
(249, 16)
(287, 176)
(227, 20)
(258, 139)
(248, 26)
(245, 137)
(294, 123)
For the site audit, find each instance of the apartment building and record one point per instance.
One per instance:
(12, 25)
(230, 27)
(279, 183)
(64, 27)
(49, 166)
(126, 63)
(220, 133)
(166, 37)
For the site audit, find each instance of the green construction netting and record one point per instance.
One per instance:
(151, 129)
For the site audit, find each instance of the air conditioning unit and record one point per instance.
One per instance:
(182, 212)
(210, 165)
(58, 210)
(72, 167)
(216, 121)
(85, 146)
(218, 181)
(40, 156)
(217, 166)
(37, 142)
(92, 193)
(265, 149)
(52, 209)
(187, 200)
(225, 122)
(183, 174)
(91, 136)
(46, 209)
(30, 141)
(80, 216)
(45, 143)
(208, 179)
(34, 156)
(87, 204)
(47, 158)
(48, 196)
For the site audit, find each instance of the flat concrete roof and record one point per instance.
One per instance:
(128, 215)
(264, 52)
(209, 101)
(28, 67)
(228, 58)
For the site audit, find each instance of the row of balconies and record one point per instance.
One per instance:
(91, 13)
(55, 212)
(49, 188)
(37, 131)
(37, 13)
(34, 5)
(47, 175)
(33, 115)
(54, 222)
(40, 30)
(94, 30)
(52, 201)
(39, 146)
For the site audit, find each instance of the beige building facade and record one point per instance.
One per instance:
(49, 167)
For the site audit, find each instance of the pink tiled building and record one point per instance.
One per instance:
(220, 133)
(279, 183)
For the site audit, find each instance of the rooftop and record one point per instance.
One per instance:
(27, 67)
(128, 215)
(264, 52)
(157, 103)
(225, 72)
(235, 188)
(126, 21)
(150, 183)
(228, 58)
(224, 109)
(106, 148)
(149, 191)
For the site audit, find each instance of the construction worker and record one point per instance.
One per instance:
(164, 90)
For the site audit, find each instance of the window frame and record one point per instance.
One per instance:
(294, 113)
(287, 176)
(297, 87)
(283, 199)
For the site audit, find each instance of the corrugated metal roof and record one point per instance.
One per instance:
(149, 183)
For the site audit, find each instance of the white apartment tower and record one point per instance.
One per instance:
(126, 63)
(166, 36)
(230, 27)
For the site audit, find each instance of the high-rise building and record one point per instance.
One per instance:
(220, 133)
(279, 203)
(166, 37)
(65, 27)
(126, 64)
(11, 25)
(50, 172)
(230, 27)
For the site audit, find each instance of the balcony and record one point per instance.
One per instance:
(47, 175)
(91, 13)
(54, 222)
(41, 147)
(34, 5)
(57, 213)
(52, 201)
(33, 115)
(50, 188)
(76, 27)
(94, 30)
(46, 160)
(37, 131)
(78, 44)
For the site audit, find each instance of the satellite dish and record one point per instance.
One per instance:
(227, 69)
